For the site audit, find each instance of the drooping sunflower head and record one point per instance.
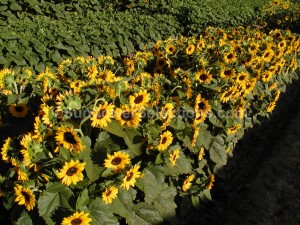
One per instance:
(202, 105)
(101, 116)
(211, 181)
(109, 194)
(166, 139)
(118, 161)
(233, 129)
(24, 196)
(19, 110)
(69, 139)
(128, 116)
(5, 150)
(130, 177)
(187, 183)
(78, 218)
(140, 99)
(71, 173)
(174, 156)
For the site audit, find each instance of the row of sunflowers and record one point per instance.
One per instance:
(113, 141)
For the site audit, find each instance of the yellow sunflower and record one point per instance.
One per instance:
(117, 161)
(187, 183)
(101, 116)
(203, 77)
(140, 99)
(71, 172)
(268, 55)
(190, 49)
(174, 156)
(234, 129)
(266, 76)
(211, 182)
(128, 116)
(130, 177)
(201, 153)
(242, 77)
(109, 194)
(199, 117)
(202, 105)
(165, 141)
(271, 106)
(227, 73)
(230, 57)
(227, 95)
(5, 149)
(19, 110)
(24, 197)
(78, 218)
(171, 49)
(253, 47)
(68, 138)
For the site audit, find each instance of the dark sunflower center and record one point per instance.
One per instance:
(76, 221)
(267, 55)
(19, 108)
(230, 56)
(108, 193)
(242, 78)
(71, 171)
(227, 72)
(127, 116)
(228, 94)
(164, 140)
(129, 176)
(202, 105)
(26, 196)
(161, 62)
(69, 137)
(138, 99)
(101, 114)
(171, 49)
(116, 161)
(203, 77)
(253, 47)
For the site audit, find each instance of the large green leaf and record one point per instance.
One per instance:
(217, 151)
(101, 214)
(83, 199)
(134, 140)
(152, 181)
(182, 165)
(146, 214)
(24, 219)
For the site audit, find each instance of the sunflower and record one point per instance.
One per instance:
(38, 129)
(160, 62)
(199, 117)
(140, 99)
(203, 77)
(22, 176)
(78, 218)
(282, 45)
(200, 154)
(24, 197)
(271, 106)
(129, 66)
(268, 55)
(190, 49)
(171, 49)
(71, 172)
(266, 76)
(195, 135)
(250, 86)
(227, 73)
(285, 6)
(227, 95)
(158, 70)
(109, 194)
(19, 110)
(5, 149)
(202, 105)
(102, 115)
(117, 161)
(130, 177)
(253, 48)
(68, 138)
(234, 129)
(230, 57)
(211, 182)
(187, 183)
(174, 156)
(294, 64)
(48, 116)
(165, 141)
(242, 77)
(128, 116)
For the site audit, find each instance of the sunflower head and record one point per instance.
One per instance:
(78, 218)
(71, 173)
(118, 161)
(68, 138)
(19, 110)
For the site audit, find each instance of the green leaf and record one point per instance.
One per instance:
(153, 181)
(15, 6)
(217, 151)
(123, 204)
(177, 123)
(182, 165)
(215, 120)
(47, 203)
(134, 140)
(92, 170)
(114, 128)
(56, 57)
(83, 199)
(147, 214)
(101, 213)
(55, 187)
(24, 219)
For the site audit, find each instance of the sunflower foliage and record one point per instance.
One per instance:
(114, 141)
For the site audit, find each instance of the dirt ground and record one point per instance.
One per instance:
(260, 184)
